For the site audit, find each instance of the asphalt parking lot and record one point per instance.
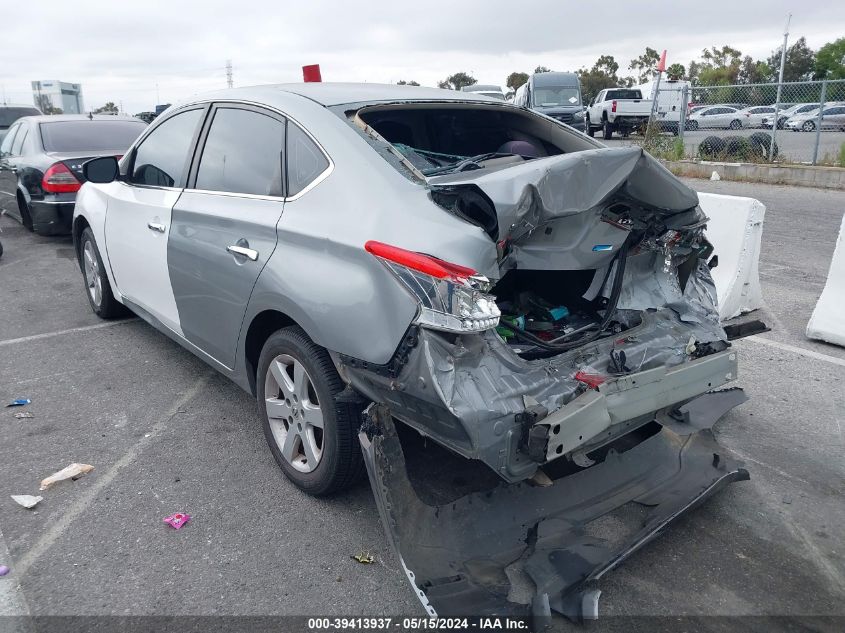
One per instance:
(165, 433)
(794, 146)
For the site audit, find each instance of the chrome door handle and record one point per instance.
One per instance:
(246, 252)
(156, 226)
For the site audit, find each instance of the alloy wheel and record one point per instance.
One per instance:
(294, 413)
(92, 273)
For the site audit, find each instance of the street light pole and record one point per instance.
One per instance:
(780, 85)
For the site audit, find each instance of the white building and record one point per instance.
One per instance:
(51, 96)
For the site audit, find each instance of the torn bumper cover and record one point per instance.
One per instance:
(525, 550)
(472, 395)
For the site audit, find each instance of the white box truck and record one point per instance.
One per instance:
(671, 103)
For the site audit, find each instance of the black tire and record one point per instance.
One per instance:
(692, 126)
(606, 130)
(23, 209)
(809, 126)
(340, 464)
(736, 124)
(711, 147)
(738, 147)
(108, 307)
(1, 249)
(760, 142)
(589, 129)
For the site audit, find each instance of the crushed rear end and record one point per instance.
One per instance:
(574, 396)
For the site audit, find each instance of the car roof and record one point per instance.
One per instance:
(555, 79)
(333, 94)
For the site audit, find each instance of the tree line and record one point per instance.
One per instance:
(717, 66)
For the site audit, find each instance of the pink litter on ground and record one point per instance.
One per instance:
(177, 520)
(4, 570)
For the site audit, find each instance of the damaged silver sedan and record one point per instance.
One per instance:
(511, 326)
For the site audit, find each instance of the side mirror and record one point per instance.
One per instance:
(101, 170)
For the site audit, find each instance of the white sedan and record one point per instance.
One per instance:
(724, 117)
(753, 117)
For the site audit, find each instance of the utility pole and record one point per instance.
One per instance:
(229, 73)
(780, 85)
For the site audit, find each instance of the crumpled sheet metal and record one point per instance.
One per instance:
(543, 189)
(648, 284)
(456, 554)
(538, 192)
(466, 394)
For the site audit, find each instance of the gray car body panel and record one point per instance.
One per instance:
(212, 286)
(524, 550)
(564, 194)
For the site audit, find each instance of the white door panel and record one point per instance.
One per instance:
(137, 229)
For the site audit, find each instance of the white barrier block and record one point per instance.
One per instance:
(828, 320)
(735, 229)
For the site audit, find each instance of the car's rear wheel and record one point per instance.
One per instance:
(312, 434)
(97, 286)
(23, 209)
(808, 126)
(736, 124)
(692, 125)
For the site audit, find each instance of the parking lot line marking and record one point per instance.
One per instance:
(12, 601)
(796, 350)
(6, 193)
(84, 328)
(98, 484)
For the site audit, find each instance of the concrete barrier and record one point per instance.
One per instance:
(828, 319)
(796, 175)
(735, 229)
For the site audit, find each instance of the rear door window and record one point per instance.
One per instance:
(243, 153)
(305, 161)
(162, 158)
(19, 140)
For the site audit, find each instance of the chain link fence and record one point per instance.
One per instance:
(803, 122)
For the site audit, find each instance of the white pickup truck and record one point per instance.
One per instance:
(617, 110)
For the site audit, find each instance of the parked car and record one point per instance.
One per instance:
(11, 113)
(555, 94)
(621, 110)
(486, 90)
(715, 117)
(786, 113)
(833, 118)
(753, 117)
(374, 262)
(41, 164)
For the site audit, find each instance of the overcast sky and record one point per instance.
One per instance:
(120, 51)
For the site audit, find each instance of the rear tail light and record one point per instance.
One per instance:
(451, 297)
(613, 106)
(59, 179)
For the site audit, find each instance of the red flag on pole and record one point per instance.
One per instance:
(311, 73)
(661, 65)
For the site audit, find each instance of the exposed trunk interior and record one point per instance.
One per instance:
(549, 305)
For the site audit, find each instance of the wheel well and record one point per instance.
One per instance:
(262, 326)
(79, 225)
